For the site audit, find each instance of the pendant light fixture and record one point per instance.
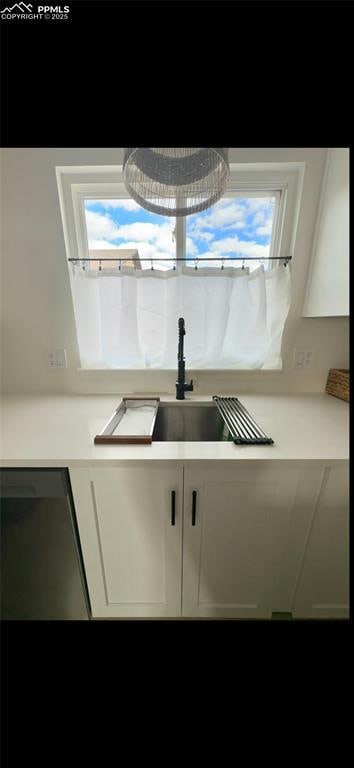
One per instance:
(176, 181)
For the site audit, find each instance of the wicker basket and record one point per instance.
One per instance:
(338, 383)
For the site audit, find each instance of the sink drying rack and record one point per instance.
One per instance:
(243, 428)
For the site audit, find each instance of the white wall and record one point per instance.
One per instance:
(36, 304)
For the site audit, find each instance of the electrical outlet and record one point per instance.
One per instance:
(308, 358)
(298, 358)
(57, 359)
(303, 358)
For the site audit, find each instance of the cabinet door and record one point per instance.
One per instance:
(232, 554)
(323, 589)
(132, 550)
(328, 282)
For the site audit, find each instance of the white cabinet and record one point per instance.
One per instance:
(132, 546)
(232, 547)
(214, 540)
(328, 282)
(323, 588)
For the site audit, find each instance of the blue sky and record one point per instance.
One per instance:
(232, 227)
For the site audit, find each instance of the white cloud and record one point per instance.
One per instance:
(145, 250)
(191, 247)
(207, 236)
(240, 247)
(222, 214)
(259, 203)
(102, 230)
(236, 225)
(127, 205)
(266, 229)
(259, 218)
(231, 213)
(144, 230)
(100, 226)
(102, 245)
(164, 241)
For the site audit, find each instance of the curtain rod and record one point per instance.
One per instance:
(181, 258)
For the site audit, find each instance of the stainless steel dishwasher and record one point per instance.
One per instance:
(42, 572)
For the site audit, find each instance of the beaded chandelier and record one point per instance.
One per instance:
(177, 181)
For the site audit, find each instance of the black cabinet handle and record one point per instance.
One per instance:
(194, 507)
(173, 507)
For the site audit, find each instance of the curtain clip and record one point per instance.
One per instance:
(120, 265)
(222, 263)
(152, 265)
(83, 266)
(196, 264)
(99, 266)
(243, 264)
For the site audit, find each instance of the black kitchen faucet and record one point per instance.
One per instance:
(181, 386)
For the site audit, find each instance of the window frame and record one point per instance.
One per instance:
(282, 179)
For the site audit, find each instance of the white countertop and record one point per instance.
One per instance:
(58, 431)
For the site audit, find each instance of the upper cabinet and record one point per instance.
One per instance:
(328, 282)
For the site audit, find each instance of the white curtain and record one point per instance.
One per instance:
(129, 319)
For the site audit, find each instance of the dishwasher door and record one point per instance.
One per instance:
(42, 573)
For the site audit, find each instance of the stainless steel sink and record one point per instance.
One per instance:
(188, 422)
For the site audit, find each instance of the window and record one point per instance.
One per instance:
(236, 228)
(119, 226)
(220, 269)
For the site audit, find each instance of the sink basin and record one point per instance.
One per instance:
(188, 422)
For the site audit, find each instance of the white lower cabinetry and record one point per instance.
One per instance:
(231, 556)
(323, 587)
(132, 552)
(242, 542)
